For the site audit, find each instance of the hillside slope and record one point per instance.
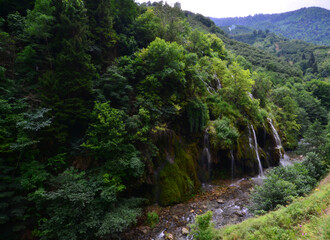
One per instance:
(308, 24)
(306, 218)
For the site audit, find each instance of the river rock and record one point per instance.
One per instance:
(169, 236)
(220, 201)
(185, 231)
(144, 229)
(240, 213)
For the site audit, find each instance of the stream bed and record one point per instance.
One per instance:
(226, 199)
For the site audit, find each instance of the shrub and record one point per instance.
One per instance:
(299, 175)
(315, 166)
(152, 219)
(203, 228)
(284, 183)
(275, 191)
(225, 133)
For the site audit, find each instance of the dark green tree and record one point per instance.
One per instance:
(67, 90)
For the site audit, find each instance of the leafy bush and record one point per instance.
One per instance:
(315, 166)
(284, 183)
(225, 133)
(275, 191)
(203, 228)
(152, 219)
(299, 175)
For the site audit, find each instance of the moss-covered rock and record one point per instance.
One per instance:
(178, 179)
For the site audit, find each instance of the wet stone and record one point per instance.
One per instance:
(240, 213)
(144, 229)
(220, 201)
(185, 231)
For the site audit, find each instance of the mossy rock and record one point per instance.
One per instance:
(178, 180)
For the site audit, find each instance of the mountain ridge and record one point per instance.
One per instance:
(308, 24)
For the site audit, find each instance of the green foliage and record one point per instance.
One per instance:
(197, 115)
(286, 114)
(152, 219)
(309, 24)
(13, 204)
(33, 175)
(320, 90)
(57, 162)
(62, 64)
(237, 85)
(10, 114)
(106, 141)
(88, 206)
(113, 86)
(299, 175)
(203, 228)
(283, 183)
(316, 167)
(101, 20)
(275, 191)
(225, 134)
(314, 139)
(68, 89)
(261, 88)
(305, 218)
(163, 63)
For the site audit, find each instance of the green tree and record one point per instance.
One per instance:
(106, 141)
(314, 138)
(86, 206)
(162, 80)
(101, 21)
(67, 90)
(261, 88)
(237, 85)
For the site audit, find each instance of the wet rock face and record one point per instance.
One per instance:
(177, 180)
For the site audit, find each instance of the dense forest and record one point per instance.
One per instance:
(107, 106)
(307, 24)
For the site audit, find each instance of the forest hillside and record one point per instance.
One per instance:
(110, 106)
(307, 24)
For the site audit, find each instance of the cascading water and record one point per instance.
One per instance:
(255, 146)
(232, 165)
(218, 83)
(206, 156)
(283, 158)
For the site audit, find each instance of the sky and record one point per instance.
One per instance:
(242, 8)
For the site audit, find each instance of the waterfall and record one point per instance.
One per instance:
(206, 156)
(255, 146)
(284, 159)
(217, 81)
(232, 164)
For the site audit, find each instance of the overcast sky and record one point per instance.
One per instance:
(234, 8)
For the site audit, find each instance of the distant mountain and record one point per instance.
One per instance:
(308, 24)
